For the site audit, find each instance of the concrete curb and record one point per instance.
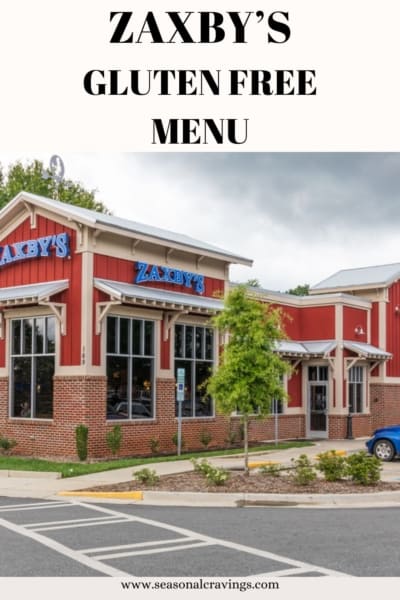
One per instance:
(114, 495)
(240, 500)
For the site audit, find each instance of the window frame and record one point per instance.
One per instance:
(33, 357)
(130, 356)
(204, 330)
(354, 379)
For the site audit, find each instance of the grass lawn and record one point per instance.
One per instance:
(72, 469)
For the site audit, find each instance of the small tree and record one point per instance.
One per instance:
(249, 377)
(29, 178)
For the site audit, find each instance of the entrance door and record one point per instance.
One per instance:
(318, 409)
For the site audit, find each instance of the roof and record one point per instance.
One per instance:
(99, 220)
(146, 296)
(323, 348)
(33, 293)
(305, 349)
(366, 350)
(363, 277)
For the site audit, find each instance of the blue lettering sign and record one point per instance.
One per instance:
(146, 272)
(40, 247)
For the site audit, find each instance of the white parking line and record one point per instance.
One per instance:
(76, 525)
(36, 507)
(220, 542)
(198, 544)
(138, 545)
(67, 521)
(32, 505)
(61, 549)
(283, 573)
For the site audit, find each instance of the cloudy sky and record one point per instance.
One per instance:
(300, 217)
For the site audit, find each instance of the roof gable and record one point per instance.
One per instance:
(363, 277)
(120, 226)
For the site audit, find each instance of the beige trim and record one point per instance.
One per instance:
(194, 320)
(15, 223)
(86, 308)
(134, 250)
(305, 301)
(338, 368)
(382, 333)
(295, 410)
(133, 311)
(369, 326)
(367, 287)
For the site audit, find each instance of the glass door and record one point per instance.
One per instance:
(317, 402)
(318, 397)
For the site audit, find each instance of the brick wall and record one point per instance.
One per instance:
(385, 405)
(83, 400)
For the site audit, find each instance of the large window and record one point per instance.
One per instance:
(194, 352)
(130, 368)
(356, 389)
(32, 367)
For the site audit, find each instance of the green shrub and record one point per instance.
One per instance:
(81, 439)
(201, 466)
(333, 466)
(6, 445)
(205, 437)
(217, 476)
(154, 444)
(146, 475)
(363, 468)
(175, 440)
(114, 439)
(214, 475)
(271, 470)
(303, 470)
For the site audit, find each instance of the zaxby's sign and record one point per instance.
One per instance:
(156, 273)
(50, 245)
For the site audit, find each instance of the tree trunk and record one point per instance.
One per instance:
(246, 444)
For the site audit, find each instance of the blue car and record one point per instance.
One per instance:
(385, 443)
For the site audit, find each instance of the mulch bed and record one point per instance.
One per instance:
(255, 483)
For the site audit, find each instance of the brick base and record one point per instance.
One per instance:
(83, 400)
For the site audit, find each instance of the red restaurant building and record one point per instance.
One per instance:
(97, 313)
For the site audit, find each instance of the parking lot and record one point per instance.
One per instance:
(78, 539)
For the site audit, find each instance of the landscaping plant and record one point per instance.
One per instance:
(146, 475)
(6, 445)
(217, 476)
(274, 470)
(175, 440)
(363, 468)
(154, 444)
(81, 439)
(114, 439)
(303, 472)
(214, 475)
(205, 438)
(332, 465)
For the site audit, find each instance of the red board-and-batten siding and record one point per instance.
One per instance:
(352, 319)
(119, 269)
(305, 324)
(393, 330)
(44, 269)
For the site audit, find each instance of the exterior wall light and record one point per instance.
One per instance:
(359, 330)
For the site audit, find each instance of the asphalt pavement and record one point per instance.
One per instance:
(46, 486)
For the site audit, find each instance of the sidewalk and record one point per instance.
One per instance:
(48, 488)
